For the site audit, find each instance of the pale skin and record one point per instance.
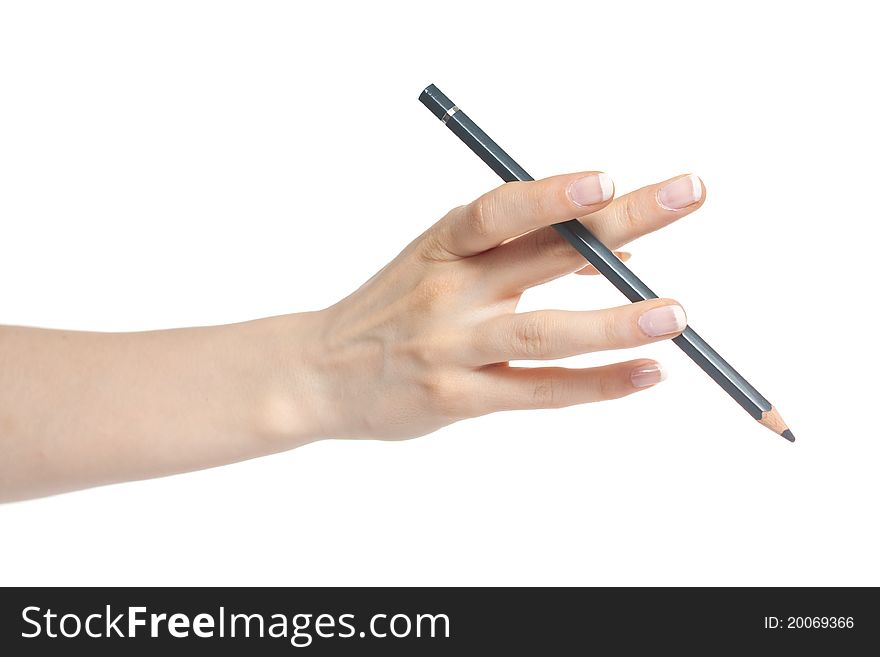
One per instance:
(431, 339)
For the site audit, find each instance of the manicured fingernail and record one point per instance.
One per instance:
(647, 375)
(590, 190)
(663, 320)
(681, 193)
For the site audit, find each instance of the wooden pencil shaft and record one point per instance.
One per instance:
(599, 255)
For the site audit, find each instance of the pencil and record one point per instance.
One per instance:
(609, 265)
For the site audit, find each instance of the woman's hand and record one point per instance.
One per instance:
(425, 342)
(428, 340)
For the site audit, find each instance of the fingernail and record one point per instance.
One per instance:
(681, 193)
(590, 190)
(647, 375)
(663, 320)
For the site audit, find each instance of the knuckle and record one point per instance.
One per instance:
(537, 201)
(432, 249)
(431, 290)
(631, 214)
(607, 387)
(420, 352)
(443, 394)
(531, 335)
(545, 393)
(478, 217)
(610, 330)
(433, 244)
(433, 384)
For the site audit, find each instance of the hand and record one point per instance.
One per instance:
(425, 342)
(429, 339)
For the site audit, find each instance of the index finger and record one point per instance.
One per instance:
(516, 208)
(543, 254)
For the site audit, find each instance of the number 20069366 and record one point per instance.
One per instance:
(809, 622)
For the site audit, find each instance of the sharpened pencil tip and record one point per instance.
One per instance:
(788, 435)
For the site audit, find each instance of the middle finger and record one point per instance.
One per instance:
(543, 255)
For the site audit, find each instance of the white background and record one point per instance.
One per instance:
(168, 164)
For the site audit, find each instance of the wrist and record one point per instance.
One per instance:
(286, 378)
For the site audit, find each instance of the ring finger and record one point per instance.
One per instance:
(551, 334)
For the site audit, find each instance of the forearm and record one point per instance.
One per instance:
(427, 341)
(80, 409)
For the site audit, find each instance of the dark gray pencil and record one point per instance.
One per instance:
(609, 265)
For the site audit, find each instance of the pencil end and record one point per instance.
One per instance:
(436, 101)
(773, 421)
